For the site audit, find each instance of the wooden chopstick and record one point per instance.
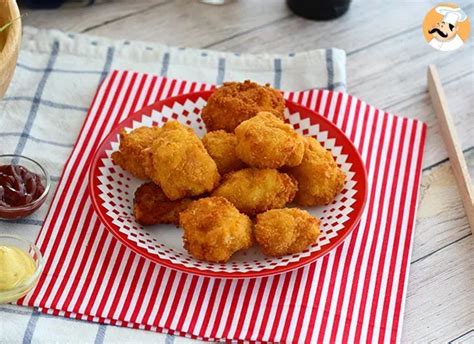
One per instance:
(448, 130)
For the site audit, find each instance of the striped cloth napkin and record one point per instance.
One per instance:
(41, 115)
(354, 293)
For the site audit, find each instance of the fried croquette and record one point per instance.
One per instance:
(179, 163)
(319, 178)
(265, 141)
(235, 102)
(285, 231)
(254, 190)
(214, 229)
(151, 206)
(221, 147)
(129, 155)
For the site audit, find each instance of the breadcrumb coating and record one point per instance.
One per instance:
(214, 229)
(265, 141)
(129, 155)
(221, 147)
(235, 102)
(254, 190)
(179, 163)
(151, 206)
(319, 178)
(285, 231)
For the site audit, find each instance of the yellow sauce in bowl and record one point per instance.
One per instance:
(16, 267)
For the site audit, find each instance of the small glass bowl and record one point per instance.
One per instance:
(32, 166)
(11, 295)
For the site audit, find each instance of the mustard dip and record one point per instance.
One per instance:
(16, 266)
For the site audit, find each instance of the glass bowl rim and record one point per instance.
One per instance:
(40, 199)
(38, 267)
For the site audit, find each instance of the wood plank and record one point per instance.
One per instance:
(439, 287)
(439, 305)
(361, 26)
(441, 218)
(407, 78)
(77, 17)
(462, 108)
(194, 24)
(467, 337)
(383, 75)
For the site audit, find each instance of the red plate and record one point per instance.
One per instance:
(112, 191)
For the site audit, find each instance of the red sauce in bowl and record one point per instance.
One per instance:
(18, 186)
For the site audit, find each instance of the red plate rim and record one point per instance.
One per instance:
(348, 148)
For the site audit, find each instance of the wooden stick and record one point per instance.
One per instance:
(448, 130)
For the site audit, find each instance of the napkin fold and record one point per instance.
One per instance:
(45, 106)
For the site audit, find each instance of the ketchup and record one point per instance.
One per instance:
(18, 186)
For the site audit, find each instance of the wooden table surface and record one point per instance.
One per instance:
(387, 60)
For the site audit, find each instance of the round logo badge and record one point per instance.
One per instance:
(446, 27)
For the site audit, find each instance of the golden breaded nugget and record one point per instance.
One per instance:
(221, 147)
(265, 141)
(285, 231)
(129, 156)
(179, 163)
(214, 229)
(319, 178)
(254, 190)
(235, 102)
(151, 206)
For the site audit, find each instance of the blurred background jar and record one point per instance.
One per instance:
(319, 9)
(51, 4)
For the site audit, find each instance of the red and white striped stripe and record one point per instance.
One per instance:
(354, 294)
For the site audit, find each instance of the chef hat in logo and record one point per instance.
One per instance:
(451, 15)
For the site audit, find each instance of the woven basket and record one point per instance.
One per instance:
(10, 40)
